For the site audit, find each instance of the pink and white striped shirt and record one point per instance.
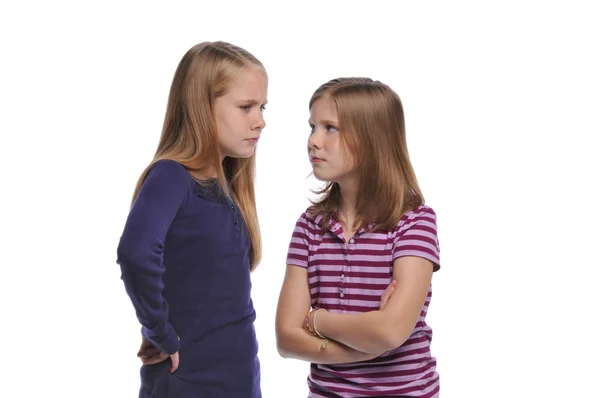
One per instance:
(350, 278)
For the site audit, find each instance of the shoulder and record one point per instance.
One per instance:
(423, 215)
(167, 177)
(308, 222)
(168, 169)
(422, 211)
(311, 218)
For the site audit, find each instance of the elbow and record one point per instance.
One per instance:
(284, 343)
(391, 337)
(135, 254)
(281, 347)
(282, 351)
(127, 254)
(391, 342)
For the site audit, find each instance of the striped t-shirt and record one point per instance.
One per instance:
(351, 278)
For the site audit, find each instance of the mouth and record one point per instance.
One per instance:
(253, 140)
(315, 159)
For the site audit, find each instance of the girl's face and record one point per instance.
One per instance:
(329, 160)
(239, 114)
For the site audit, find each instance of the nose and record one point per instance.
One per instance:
(314, 140)
(260, 122)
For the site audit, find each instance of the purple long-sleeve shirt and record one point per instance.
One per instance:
(184, 257)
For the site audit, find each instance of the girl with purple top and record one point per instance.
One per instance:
(361, 259)
(192, 237)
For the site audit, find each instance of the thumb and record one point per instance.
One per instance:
(174, 362)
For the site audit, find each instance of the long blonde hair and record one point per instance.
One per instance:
(372, 129)
(189, 135)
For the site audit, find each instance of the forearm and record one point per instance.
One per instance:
(370, 332)
(152, 310)
(298, 344)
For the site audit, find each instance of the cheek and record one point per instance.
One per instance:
(232, 127)
(239, 123)
(335, 149)
(344, 158)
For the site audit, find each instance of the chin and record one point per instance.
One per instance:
(241, 154)
(245, 154)
(320, 176)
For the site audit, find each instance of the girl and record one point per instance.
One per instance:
(363, 255)
(192, 237)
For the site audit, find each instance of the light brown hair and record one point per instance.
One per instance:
(190, 137)
(372, 129)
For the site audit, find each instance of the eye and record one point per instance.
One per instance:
(263, 108)
(245, 107)
(312, 128)
(331, 128)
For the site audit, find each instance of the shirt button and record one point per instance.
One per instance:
(232, 207)
(342, 276)
(352, 240)
(342, 294)
(235, 221)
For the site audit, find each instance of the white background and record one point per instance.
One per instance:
(502, 107)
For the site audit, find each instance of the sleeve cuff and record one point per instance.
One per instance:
(163, 337)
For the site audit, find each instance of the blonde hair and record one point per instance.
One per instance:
(190, 137)
(372, 129)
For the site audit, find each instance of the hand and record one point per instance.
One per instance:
(309, 321)
(174, 362)
(150, 354)
(387, 294)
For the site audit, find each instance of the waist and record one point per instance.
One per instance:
(418, 379)
(408, 370)
(210, 341)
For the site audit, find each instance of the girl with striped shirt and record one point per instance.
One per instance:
(361, 259)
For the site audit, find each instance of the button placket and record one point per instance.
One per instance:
(235, 213)
(343, 274)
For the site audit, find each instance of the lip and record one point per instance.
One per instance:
(255, 139)
(315, 159)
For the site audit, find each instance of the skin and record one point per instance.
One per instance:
(239, 118)
(239, 114)
(355, 337)
(328, 158)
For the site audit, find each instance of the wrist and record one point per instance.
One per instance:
(315, 328)
(310, 322)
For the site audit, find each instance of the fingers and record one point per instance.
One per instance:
(387, 294)
(145, 343)
(148, 352)
(174, 362)
(153, 359)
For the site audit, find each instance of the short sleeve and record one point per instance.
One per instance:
(416, 235)
(298, 249)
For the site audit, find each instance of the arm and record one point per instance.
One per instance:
(380, 331)
(141, 247)
(416, 256)
(295, 342)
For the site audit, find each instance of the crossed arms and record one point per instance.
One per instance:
(353, 337)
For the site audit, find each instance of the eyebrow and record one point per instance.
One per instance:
(325, 121)
(253, 101)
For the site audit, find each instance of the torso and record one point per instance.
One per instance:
(207, 285)
(348, 272)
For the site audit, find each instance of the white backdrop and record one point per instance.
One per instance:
(501, 104)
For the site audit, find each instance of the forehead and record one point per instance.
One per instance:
(251, 83)
(324, 108)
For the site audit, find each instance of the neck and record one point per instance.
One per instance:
(347, 210)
